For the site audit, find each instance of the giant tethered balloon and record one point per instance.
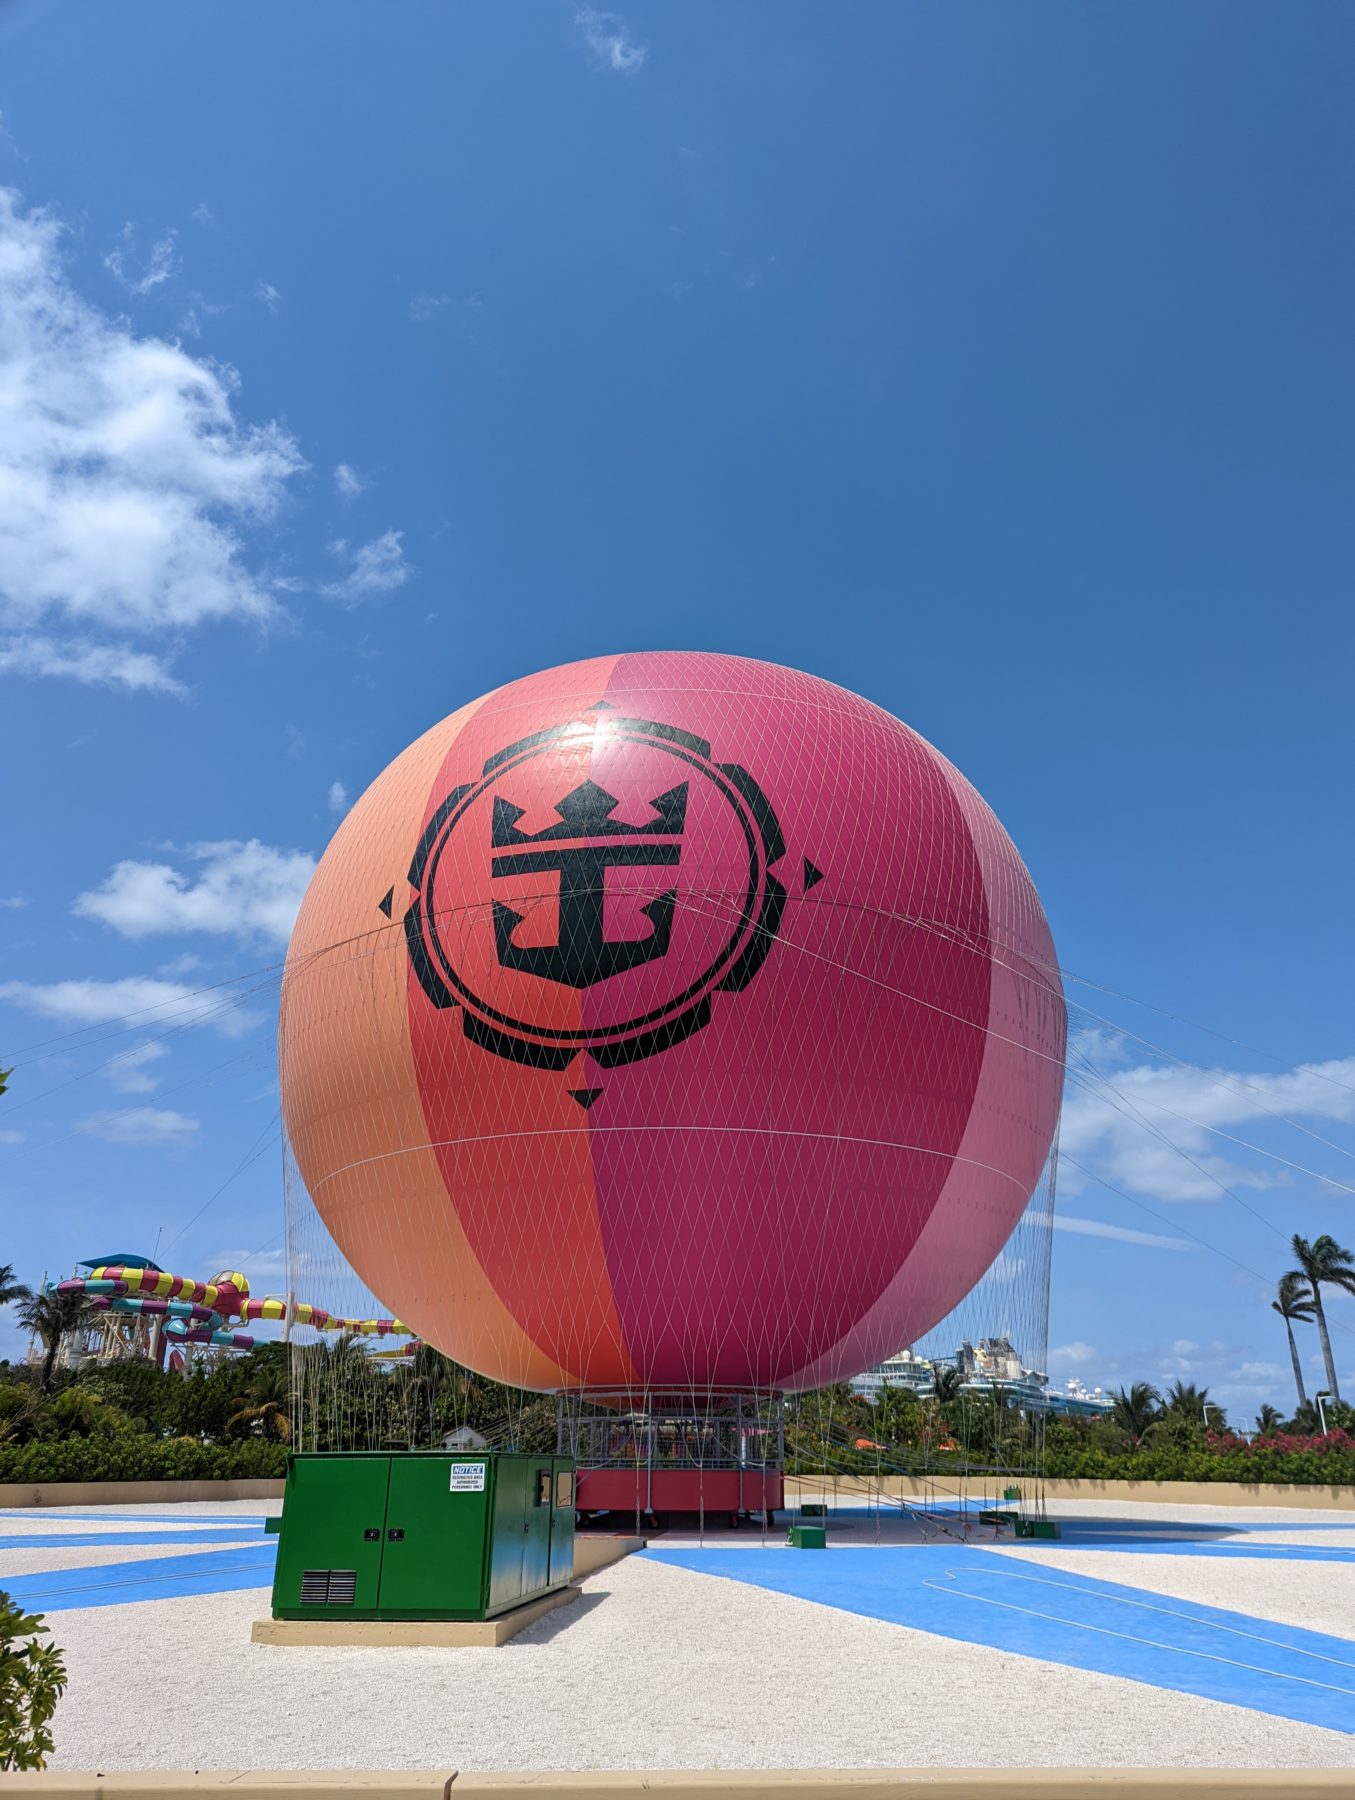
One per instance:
(671, 1021)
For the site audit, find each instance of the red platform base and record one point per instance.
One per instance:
(655, 1491)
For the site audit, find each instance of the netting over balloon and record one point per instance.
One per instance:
(673, 1022)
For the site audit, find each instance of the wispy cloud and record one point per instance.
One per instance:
(375, 568)
(125, 477)
(608, 38)
(268, 294)
(347, 480)
(423, 307)
(1118, 1234)
(13, 902)
(141, 1001)
(162, 263)
(1076, 1355)
(139, 1127)
(244, 890)
(1151, 1129)
(338, 799)
(96, 665)
(127, 1072)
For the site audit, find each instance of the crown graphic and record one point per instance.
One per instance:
(586, 812)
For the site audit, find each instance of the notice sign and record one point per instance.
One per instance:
(468, 1478)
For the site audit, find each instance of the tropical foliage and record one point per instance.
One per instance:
(32, 1680)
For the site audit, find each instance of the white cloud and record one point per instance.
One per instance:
(244, 890)
(338, 799)
(162, 264)
(127, 1070)
(184, 964)
(124, 479)
(1119, 1234)
(202, 213)
(426, 306)
(1103, 1123)
(1072, 1356)
(97, 665)
(138, 1126)
(11, 1137)
(376, 568)
(13, 902)
(141, 997)
(609, 39)
(268, 294)
(349, 483)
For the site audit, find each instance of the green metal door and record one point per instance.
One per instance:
(536, 1538)
(436, 1514)
(333, 1535)
(511, 1501)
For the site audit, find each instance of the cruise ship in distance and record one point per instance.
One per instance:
(992, 1365)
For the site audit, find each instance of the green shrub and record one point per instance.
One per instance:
(32, 1680)
(135, 1456)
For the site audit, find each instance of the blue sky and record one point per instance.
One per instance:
(993, 361)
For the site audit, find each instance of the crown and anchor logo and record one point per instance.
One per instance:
(575, 854)
(580, 849)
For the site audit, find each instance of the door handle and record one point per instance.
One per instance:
(372, 1535)
(396, 1535)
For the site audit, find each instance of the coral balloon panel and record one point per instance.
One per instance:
(671, 1020)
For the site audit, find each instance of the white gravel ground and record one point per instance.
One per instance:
(656, 1667)
(663, 1667)
(1159, 1511)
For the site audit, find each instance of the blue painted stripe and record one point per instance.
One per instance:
(78, 1540)
(1031, 1609)
(163, 1578)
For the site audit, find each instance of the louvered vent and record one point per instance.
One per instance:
(342, 1586)
(328, 1587)
(315, 1587)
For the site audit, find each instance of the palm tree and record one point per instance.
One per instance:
(1186, 1401)
(1268, 1419)
(947, 1381)
(265, 1409)
(1294, 1300)
(1136, 1409)
(1325, 1260)
(10, 1289)
(53, 1317)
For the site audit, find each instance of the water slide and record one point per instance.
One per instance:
(201, 1312)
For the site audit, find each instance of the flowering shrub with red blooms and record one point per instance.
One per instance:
(1226, 1442)
(1217, 1456)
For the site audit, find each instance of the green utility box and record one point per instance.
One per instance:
(422, 1534)
(1037, 1528)
(808, 1537)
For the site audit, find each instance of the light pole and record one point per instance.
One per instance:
(1204, 1408)
(1322, 1411)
